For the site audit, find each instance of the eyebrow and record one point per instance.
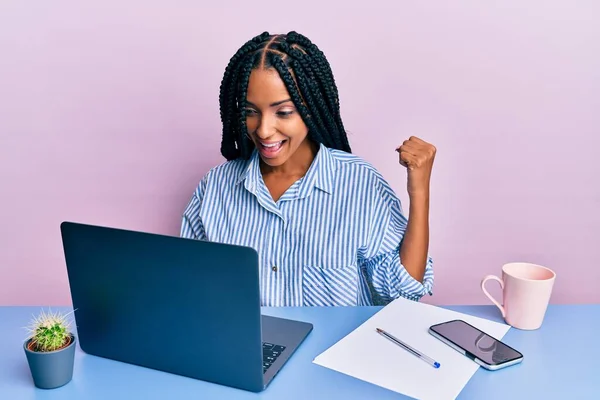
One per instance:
(272, 104)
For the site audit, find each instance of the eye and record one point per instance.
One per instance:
(286, 113)
(250, 111)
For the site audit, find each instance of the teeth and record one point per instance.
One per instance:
(272, 145)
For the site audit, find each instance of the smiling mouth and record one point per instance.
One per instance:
(271, 149)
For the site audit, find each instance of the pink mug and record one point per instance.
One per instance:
(526, 290)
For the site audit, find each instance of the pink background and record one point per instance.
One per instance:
(109, 115)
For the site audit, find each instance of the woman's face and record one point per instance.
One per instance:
(273, 122)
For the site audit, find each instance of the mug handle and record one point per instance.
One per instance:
(493, 277)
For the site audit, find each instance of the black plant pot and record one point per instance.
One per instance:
(51, 369)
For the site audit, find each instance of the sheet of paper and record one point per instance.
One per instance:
(366, 355)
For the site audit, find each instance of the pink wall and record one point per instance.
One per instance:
(109, 115)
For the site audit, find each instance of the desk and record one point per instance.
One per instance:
(562, 361)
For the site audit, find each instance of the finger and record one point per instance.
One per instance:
(411, 147)
(408, 160)
(417, 140)
(406, 143)
(402, 162)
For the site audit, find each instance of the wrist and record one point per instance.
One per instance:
(420, 196)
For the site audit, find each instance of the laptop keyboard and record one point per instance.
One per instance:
(270, 353)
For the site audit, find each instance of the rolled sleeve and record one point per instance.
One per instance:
(389, 279)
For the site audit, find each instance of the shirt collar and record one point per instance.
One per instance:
(320, 174)
(245, 169)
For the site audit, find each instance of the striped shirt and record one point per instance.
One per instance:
(332, 239)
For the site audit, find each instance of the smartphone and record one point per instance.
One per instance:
(480, 347)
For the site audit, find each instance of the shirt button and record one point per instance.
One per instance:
(274, 268)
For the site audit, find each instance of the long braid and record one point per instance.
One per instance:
(305, 85)
(324, 74)
(312, 90)
(245, 71)
(230, 144)
(308, 78)
(287, 78)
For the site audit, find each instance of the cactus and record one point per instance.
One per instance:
(49, 332)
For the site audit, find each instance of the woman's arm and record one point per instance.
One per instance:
(415, 244)
(417, 156)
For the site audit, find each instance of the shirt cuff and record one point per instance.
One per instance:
(391, 280)
(412, 288)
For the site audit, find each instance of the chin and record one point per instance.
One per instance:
(274, 162)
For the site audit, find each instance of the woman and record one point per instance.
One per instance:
(328, 228)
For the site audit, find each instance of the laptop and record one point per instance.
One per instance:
(183, 306)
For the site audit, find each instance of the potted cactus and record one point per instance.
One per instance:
(50, 350)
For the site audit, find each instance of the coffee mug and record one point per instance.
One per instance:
(526, 290)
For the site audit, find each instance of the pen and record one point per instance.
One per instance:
(415, 352)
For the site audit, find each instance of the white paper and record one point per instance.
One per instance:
(367, 355)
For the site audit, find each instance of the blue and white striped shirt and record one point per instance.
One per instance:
(332, 239)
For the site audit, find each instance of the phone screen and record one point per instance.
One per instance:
(476, 342)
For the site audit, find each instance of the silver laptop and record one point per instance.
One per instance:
(182, 306)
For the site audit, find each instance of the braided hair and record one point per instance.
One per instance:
(308, 78)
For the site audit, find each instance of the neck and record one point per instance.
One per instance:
(297, 165)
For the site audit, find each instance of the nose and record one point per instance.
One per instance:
(265, 128)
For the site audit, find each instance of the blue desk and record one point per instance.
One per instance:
(562, 361)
